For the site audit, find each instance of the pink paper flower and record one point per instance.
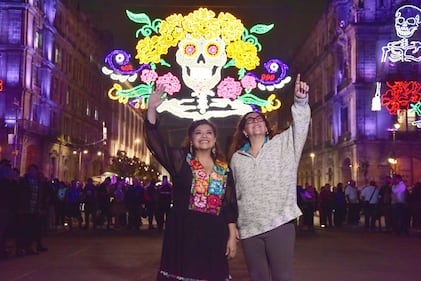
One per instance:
(229, 88)
(148, 76)
(171, 83)
(248, 82)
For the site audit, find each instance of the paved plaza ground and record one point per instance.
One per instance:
(348, 254)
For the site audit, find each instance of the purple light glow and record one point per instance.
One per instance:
(119, 61)
(275, 71)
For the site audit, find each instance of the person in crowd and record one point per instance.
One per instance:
(399, 206)
(90, 204)
(385, 204)
(200, 233)
(60, 188)
(134, 202)
(326, 202)
(118, 204)
(104, 204)
(264, 168)
(164, 202)
(32, 201)
(310, 199)
(370, 198)
(339, 205)
(8, 201)
(151, 202)
(353, 201)
(73, 197)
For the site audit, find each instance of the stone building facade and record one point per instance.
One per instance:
(351, 136)
(54, 108)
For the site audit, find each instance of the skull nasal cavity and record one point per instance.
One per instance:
(201, 58)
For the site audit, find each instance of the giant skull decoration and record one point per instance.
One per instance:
(407, 20)
(201, 61)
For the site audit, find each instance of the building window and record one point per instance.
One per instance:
(88, 110)
(14, 26)
(57, 56)
(38, 39)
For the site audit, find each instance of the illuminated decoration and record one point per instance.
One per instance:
(407, 20)
(400, 95)
(1, 85)
(416, 108)
(205, 44)
(376, 102)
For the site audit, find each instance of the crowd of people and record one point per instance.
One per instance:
(32, 205)
(391, 206)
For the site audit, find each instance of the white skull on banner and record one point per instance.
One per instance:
(201, 61)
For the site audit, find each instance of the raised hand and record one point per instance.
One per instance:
(156, 96)
(155, 100)
(301, 88)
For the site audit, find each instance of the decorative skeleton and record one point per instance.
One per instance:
(407, 20)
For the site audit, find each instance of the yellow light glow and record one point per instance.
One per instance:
(274, 104)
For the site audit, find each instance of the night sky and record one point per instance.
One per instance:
(293, 19)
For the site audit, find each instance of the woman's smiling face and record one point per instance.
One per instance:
(254, 125)
(203, 137)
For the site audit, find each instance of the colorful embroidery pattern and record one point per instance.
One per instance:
(207, 190)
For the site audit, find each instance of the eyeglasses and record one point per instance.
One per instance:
(257, 119)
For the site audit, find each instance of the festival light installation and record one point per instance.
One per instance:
(407, 21)
(206, 45)
(402, 95)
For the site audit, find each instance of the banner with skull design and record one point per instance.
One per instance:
(218, 59)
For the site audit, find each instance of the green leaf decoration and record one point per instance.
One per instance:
(138, 18)
(241, 73)
(142, 90)
(261, 28)
(164, 63)
(249, 98)
(230, 63)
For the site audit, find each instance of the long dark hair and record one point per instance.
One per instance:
(239, 139)
(215, 155)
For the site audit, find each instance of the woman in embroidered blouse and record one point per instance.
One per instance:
(267, 165)
(200, 234)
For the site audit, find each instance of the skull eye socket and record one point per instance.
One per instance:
(212, 49)
(190, 49)
(411, 21)
(400, 20)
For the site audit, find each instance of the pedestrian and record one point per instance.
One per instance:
(399, 206)
(339, 205)
(370, 198)
(134, 201)
(164, 202)
(151, 200)
(326, 203)
(200, 234)
(264, 168)
(32, 203)
(353, 203)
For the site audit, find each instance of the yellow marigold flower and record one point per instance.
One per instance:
(231, 27)
(244, 54)
(202, 22)
(172, 29)
(147, 50)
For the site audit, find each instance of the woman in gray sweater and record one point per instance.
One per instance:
(265, 173)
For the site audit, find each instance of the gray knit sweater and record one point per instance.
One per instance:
(266, 186)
